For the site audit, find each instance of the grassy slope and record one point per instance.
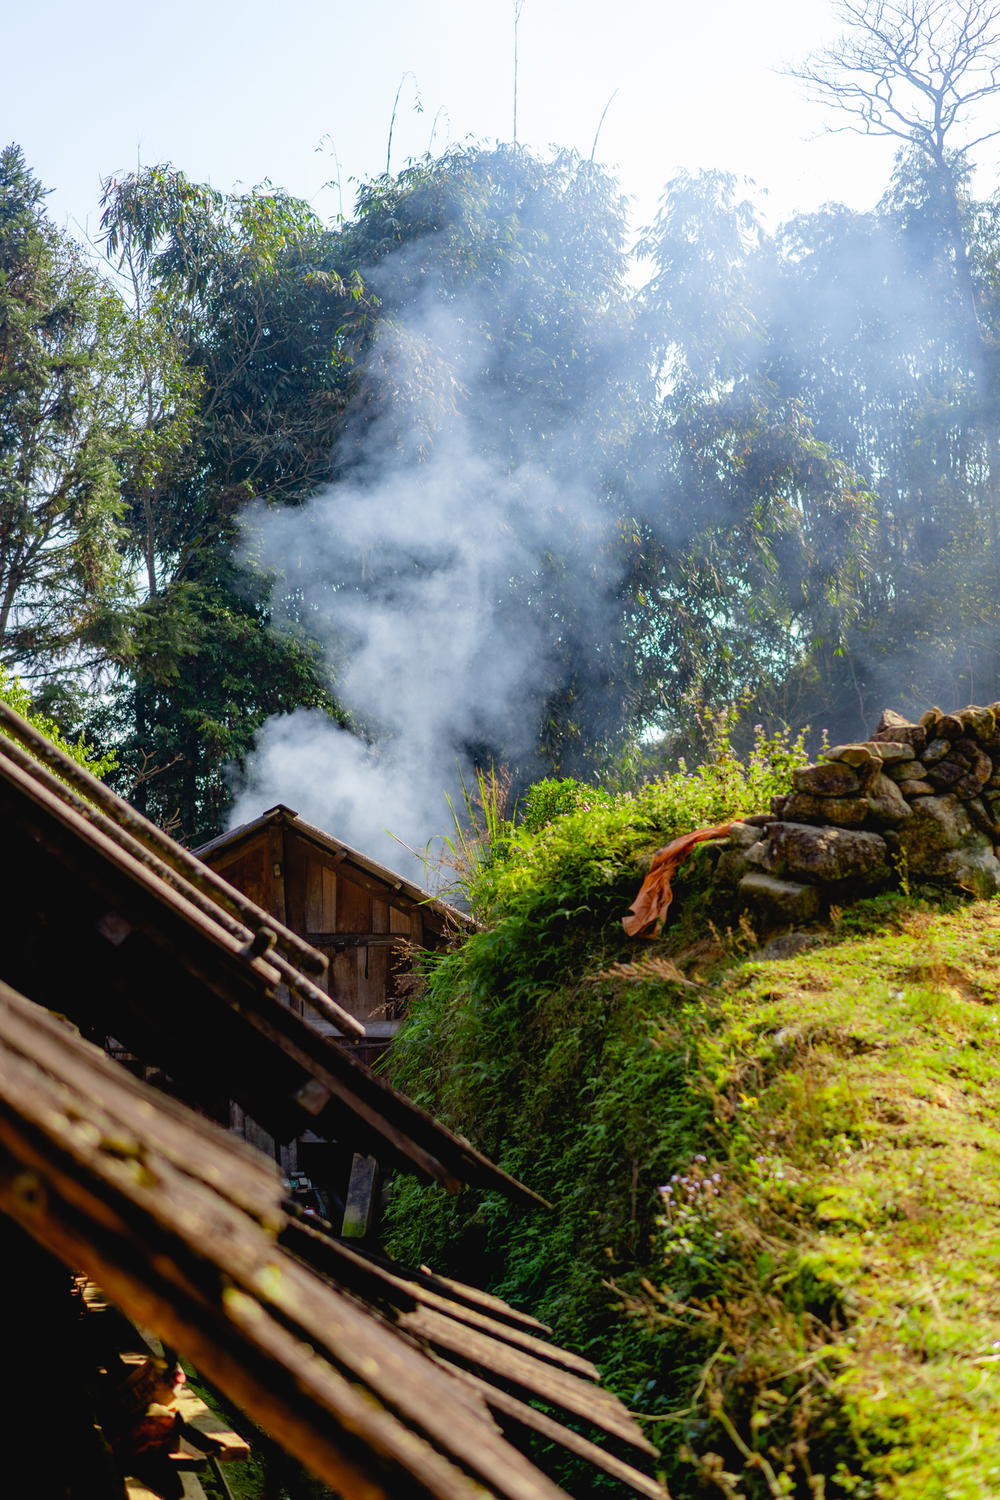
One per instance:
(857, 1099)
(814, 1307)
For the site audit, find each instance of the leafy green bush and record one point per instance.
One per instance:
(571, 844)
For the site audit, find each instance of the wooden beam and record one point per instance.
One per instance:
(91, 799)
(360, 1205)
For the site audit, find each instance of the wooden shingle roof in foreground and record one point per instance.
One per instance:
(385, 1382)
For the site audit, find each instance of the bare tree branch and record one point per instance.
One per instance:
(913, 69)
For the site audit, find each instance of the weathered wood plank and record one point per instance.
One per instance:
(106, 811)
(354, 1096)
(375, 1003)
(534, 1420)
(361, 1190)
(406, 923)
(358, 939)
(192, 1489)
(394, 1285)
(531, 1376)
(344, 979)
(458, 1291)
(156, 1239)
(33, 1035)
(354, 906)
(227, 1446)
(274, 872)
(314, 894)
(250, 874)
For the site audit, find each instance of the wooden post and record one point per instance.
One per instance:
(361, 1193)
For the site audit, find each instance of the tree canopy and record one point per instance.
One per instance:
(460, 472)
(62, 374)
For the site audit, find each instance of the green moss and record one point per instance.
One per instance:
(813, 1306)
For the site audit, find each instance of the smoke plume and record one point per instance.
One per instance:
(422, 572)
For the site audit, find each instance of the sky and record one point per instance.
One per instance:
(235, 94)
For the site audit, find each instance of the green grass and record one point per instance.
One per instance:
(813, 1309)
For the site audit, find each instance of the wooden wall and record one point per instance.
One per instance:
(357, 920)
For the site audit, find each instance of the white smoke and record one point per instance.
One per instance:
(406, 571)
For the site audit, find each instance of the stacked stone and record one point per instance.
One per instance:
(920, 800)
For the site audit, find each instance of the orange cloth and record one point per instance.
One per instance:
(651, 905)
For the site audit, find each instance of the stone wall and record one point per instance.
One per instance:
(918, 801)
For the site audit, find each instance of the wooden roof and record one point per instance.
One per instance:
(436, 912)
(138, 940)
(387, 1384)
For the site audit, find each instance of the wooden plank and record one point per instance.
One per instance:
(496, 1467)
(368, 1104)
(249, 873)
(314, 914)
(531, 1376)
(360, 1204)
(475, 1297)
(295, 883)
(354, 906)
(323, 940)
(406, 923)
(403, 1127)
(344, 979)
(533, 1420)
(329, 883)
(418, 1417)
(378, 1280)
(274, 854)
(191, 1489)
(227, 1446)
(33, 1034)
(374, 999)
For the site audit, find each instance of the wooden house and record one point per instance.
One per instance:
(365, 920)
(387, 1383)
(363, 917)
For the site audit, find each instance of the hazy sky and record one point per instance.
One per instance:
(236, 93)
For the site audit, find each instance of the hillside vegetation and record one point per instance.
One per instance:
(775, 1178)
